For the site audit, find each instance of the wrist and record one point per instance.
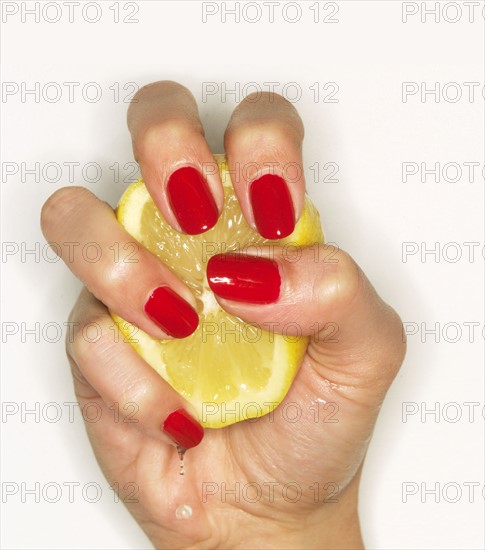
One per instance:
(333, 526)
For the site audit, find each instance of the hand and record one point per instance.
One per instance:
(303, 475)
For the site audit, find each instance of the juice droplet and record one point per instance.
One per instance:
(181, 453)
(184, 511)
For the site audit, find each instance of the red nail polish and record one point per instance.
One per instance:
(244, 278)
(272, 207)
(171, 313)
(191, 201)
(184, 430)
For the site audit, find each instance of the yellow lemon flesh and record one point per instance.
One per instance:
(227, 369)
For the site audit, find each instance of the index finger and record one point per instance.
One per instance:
(175, 160)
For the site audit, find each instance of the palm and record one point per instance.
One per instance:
(292, 461)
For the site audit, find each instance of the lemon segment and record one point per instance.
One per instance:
(227, 369)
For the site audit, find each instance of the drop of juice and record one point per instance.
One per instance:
(184, 511)
(181, 453)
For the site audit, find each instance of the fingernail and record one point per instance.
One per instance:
(272, 206)
(191, 201)
(244, 278)
(171, 313)
(183, 429)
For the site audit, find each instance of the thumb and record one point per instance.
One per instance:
(350, 361)
(356, 339)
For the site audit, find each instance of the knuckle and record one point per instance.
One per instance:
(151, 140)
(136, 392)
(265, 96)
(270, 111)
(88, 339)
(144, 91)
(162, 87)
(397, 339)
(348, 280)
(389, 348)
(58, 207)
(349, 285)
(267, 137)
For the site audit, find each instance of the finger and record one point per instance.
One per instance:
(263, 143)
(107, 366)
(119, 271)
(356, 337)
(175, 161)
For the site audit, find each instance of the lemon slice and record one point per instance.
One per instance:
(227, 369)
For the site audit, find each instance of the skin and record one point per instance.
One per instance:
(347, 373)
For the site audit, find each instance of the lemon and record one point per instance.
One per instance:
(227, 369)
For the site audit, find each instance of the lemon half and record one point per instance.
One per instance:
(227, 369)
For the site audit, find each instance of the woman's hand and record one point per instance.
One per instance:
(281, 481)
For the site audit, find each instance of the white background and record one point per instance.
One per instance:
(370, 211)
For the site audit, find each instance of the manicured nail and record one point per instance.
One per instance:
(272, 207)
(191, 201)
(244, 278)
(171, 313)
(183, 429)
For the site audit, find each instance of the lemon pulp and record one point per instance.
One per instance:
(229, 370)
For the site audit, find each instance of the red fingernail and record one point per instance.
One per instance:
(171, 313)
(244, 278)
(184, 430)
(191, 201)
(272, 207)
